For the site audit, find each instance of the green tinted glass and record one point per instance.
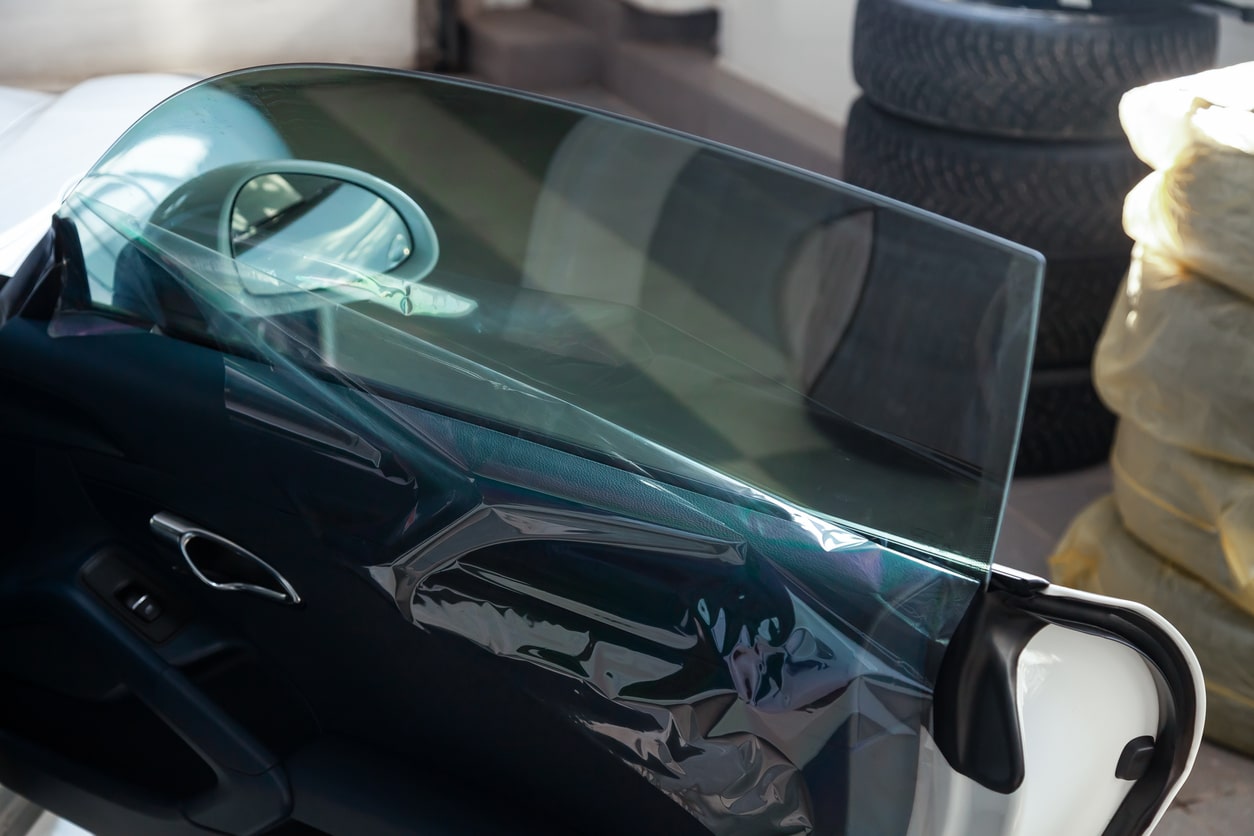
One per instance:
(681, 308)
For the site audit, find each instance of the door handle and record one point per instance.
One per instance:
(221, 564)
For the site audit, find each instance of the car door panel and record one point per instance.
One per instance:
(346, 647)
(263, 514)
(560, 553)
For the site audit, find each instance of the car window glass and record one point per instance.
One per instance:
(776, 328)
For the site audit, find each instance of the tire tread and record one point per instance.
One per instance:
(1065, 200)
(1020, 72)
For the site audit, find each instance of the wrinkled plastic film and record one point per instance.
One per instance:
(587, 486)
(1198, 212)
(1213, 108)
(792, 642)
(1197, 133)
(722, 703)
(776, 651)
(1177, 358)
(1197, 512)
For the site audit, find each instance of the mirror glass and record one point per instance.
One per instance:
(307, 229)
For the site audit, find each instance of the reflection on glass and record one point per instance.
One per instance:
(856, 357)
(290, 224)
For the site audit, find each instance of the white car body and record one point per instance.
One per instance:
(48, 141)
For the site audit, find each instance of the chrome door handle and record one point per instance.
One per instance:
(221, 564)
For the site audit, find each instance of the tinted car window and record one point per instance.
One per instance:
(681, 306)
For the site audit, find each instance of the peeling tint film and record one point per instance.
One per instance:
(714, 451)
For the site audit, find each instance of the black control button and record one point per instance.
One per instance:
(113, 576)
(1135, 759)
(143, 605)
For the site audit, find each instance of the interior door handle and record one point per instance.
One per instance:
(221, 564)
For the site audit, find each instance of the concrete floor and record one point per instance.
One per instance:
(1219, 795)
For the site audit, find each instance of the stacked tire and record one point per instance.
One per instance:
(1176, 363)
(1005, 117)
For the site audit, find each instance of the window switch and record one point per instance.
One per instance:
(132, 596)
(143, 605)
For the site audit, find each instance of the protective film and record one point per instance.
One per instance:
(715, 450)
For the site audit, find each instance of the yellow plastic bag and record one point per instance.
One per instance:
(1214, 108)
(1194, 511)
(1197, 132)
(1201, 213)
(1177, 358)
(1098, 555)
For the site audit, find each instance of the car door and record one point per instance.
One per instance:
(435, 458)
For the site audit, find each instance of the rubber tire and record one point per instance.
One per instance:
(1065, 200)
(1016, 72)
(1065, 425)
(1075, 303)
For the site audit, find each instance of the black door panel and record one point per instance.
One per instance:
(575, 548)
(152, 733)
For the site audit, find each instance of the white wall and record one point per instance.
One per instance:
(800, 49)
(473, 7)
(673, 7)
(55, 43)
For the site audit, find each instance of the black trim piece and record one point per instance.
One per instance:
(16, 293)
(1135, 759)
(975, 710)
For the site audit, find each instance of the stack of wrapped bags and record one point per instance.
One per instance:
(1176, 363)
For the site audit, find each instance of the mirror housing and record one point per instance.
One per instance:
(300, 233)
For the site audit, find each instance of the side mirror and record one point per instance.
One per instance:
(300, 234)
(281, 223)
